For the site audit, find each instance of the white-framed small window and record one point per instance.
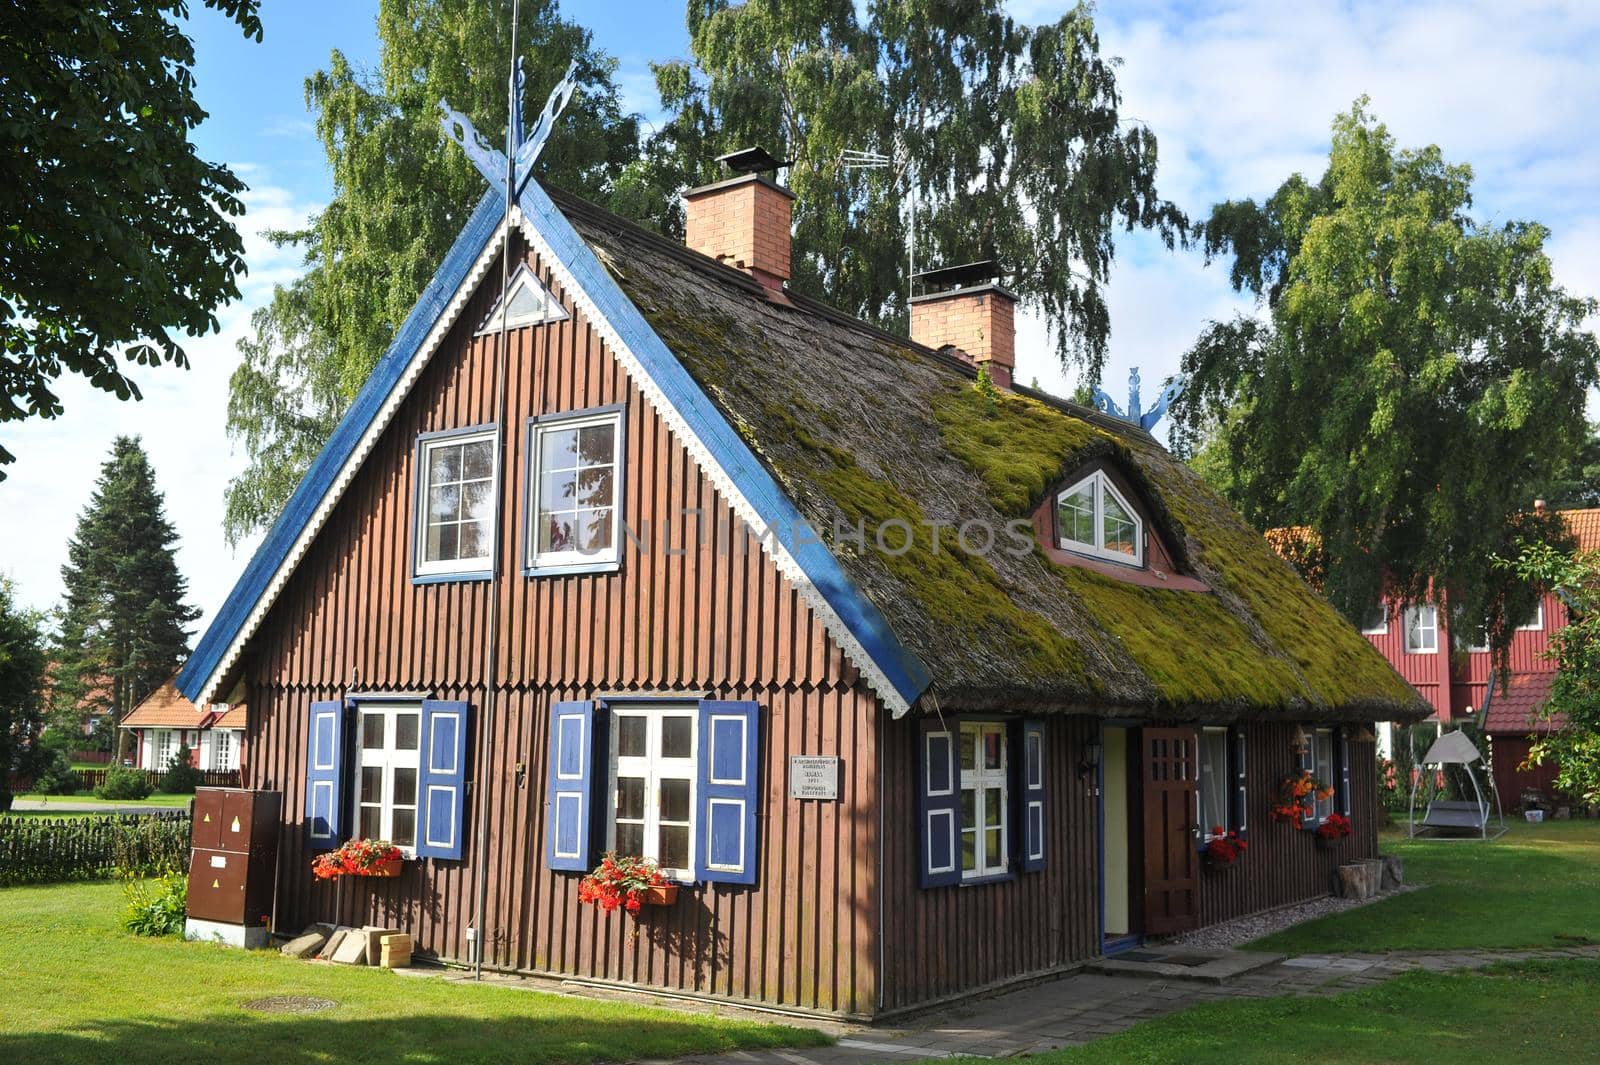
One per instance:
(1422, 628)
(653, 751)
(1093, 518)
(1375, 622)
(166, 747)
(1322, 768)
(222, 749)
(531, 304)
(386, 772)
(455, 502)
(1216, 786)
(1536, 622)
(984, 801)
(573, 500)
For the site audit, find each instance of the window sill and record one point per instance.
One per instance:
(573, 569)
(450, 578)
(987, 878)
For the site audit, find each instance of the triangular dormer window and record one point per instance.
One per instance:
(1094, 518)
(531, 304)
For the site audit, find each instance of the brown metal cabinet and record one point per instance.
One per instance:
(233, 864)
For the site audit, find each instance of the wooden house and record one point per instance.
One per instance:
(919, 687)
(165, 722)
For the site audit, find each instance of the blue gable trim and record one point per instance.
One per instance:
(480, 229)
(859, 615)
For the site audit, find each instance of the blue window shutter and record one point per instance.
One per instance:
(325, 775)
(442, 784)
(938, 805)
(1343, 749)
(730, 772)
(1029, 783)
(1238, 804)
(573, 795)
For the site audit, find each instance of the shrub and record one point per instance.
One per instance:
(48, 850)
(124, 783)
(156, 907)
(180, 777)
(57, 777)
(151, 846)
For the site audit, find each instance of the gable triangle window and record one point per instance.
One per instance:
(1094, 518)
(531, 303)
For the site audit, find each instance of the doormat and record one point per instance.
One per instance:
(290, 1004)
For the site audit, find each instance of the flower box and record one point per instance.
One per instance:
(359, 857)
(661, 894)
(387, 867)
(626, 882)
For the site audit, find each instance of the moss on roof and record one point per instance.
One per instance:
(861, 427)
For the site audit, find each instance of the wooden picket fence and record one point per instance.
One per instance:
(43, 850)
(89, 779)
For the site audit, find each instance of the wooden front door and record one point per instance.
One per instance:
(1171, 864)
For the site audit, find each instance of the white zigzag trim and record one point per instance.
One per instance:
(741, 506)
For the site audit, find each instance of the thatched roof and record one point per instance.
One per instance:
(857, 424)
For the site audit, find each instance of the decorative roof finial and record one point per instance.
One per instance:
(1147, 420)
(522, 150)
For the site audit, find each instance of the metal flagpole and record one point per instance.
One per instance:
(491, 649)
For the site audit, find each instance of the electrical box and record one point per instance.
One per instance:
(233, 865)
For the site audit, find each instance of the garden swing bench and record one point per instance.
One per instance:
(1455, 818)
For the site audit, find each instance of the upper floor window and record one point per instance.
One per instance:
(455, 506)
(1422, 629)
(1536, 621)
(1093, 518)
(530, 304)
(1375, 622)
(576, 486)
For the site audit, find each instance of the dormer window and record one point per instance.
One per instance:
(1093, 518)
(531, 303)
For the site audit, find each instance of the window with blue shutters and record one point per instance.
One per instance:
(571, 806)
(981, 799)
(938, 806)
(1240, 807)
(443, 789)
(324, 775)
(1032, 791)
(730, 780)
(1344, 771)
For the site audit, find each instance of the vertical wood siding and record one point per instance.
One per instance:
(713, 615)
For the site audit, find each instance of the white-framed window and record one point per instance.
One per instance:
(653, 751)
(1536, 622)
(531, 303)
(386, 772)
(222, 749)
(984, 802)
(455, 502)
(576, 482)
(1375, 622)
(1422, 628)
(1093, 518)
(166, 745)
(1324, 769)
(1215, 784)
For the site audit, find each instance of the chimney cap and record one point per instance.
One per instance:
(752, 161)
(962, 276)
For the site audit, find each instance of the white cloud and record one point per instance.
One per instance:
(182, 421)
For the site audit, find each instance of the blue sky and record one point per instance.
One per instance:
(1239, 92)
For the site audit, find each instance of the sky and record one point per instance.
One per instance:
(1240, 94)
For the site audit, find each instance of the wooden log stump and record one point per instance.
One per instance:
(1356, 881)
(1394, 871)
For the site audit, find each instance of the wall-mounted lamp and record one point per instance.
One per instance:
(1090, 762)
(1301, 742)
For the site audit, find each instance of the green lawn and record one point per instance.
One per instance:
(1528, 1014)
(78, 989)
(156, 799)
(1530, 888)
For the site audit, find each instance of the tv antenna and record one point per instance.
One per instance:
(854, 159)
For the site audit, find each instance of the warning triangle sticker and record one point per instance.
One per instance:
(236, 824)
(215, 884)
(208, 819)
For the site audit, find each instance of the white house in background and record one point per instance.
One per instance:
(166, 721)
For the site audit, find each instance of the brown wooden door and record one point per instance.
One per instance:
(1171, 865)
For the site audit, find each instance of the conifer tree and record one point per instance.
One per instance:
(124, 623)
(21, 682)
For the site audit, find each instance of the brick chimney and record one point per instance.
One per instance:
(964, 307)
(744, 220)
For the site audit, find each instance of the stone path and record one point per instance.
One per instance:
(1087, 1006)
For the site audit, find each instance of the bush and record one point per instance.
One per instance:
(124, 783)
(181, 778)
(156, 907)
(57, 777)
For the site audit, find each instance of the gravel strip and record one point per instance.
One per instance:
(1242, 930)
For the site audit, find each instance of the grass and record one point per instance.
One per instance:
(82, 990)
(158, 799)
(1530, 1013)
(1536, 886)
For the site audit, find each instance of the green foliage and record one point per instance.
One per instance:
(123, 625)
(57, 777)
(401, 192)
(156, 907)
(181, 778)
(1573, 712)
(117, 236)
(1010, 134)
(124, 783)
(22, 666)
(1419, 374)
(1577, 486)
(39, 850)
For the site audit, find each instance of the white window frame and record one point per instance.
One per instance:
(535, 561)
(552, 311)
(423, 566)
(1223, 783)
(1382, 627)
(1415, 611)
(653, 768)
(163, 749)
(222, 748)
(1537, 624)
(978, 779)
(1322, 761)
(1101, 484)
(389, 758)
